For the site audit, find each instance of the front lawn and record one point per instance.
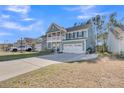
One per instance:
(103, 72)
(12, 56)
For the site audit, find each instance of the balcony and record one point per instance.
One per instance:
(55, 39)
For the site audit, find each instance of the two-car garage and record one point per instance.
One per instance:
(74, 47)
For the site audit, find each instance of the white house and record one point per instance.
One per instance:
(76, 39)
(116, 40)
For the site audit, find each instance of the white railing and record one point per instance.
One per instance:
(55, 38)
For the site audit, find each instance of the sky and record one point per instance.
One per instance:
(33, 21)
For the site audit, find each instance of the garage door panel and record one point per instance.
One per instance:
(73, 48)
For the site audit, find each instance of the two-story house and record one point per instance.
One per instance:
(76, 39)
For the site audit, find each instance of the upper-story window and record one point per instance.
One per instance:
(77, 34)
(49, 35)
(85, 34)
(58, 33)
(80, 34)
(69, 35)
(73, 34)
(53, 34)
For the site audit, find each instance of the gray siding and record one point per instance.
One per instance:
(90, 41)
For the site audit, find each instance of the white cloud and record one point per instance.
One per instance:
(3, 16)
(22, 9)
(28, 19)
(86, 11)
(16, 26)
(5, 34)
(9, 25)
(83, 17)
(90, 15)
(79, 8)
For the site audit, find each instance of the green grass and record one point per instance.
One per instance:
(23, 55)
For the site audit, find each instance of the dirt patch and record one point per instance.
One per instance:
(103, 72)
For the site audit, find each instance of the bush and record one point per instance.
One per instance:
(90, 50)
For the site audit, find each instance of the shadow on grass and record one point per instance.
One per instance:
(87, 61)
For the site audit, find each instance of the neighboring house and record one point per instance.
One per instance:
(5, 47)
(37, 45)
(24, 42)
(40, 43)
(76, 39)
(44, 42)
(116, 40)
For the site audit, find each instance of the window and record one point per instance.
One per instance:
(58, 33)
(82, 33)
(49, 45)
(49, 35)
(73, 34)
(69, 35)
(85, 34)
(77, 34)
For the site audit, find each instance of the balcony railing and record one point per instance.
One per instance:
(55, 38)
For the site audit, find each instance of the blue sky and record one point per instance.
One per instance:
(33, 21)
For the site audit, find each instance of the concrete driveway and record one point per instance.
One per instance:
(9, 69)
(69, 57)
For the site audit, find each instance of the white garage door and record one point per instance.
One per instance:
(73, 48)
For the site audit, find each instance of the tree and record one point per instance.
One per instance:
(112, 19)
(103, 36)
(98, 22)
(75, 24)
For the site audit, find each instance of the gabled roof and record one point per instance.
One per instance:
(54, 27)
(118, 31)
(79, 27)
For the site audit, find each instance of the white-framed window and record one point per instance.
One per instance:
(80, 34)
(85, 33)
(49, 35)
(49, 44)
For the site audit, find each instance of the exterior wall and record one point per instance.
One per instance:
(75, 32)
(113, 43)
(90, 40)
(122, 45)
